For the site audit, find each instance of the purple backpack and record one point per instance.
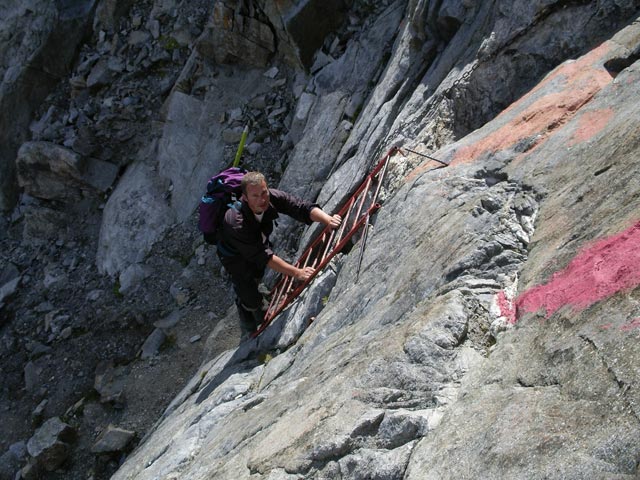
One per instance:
(222, 189)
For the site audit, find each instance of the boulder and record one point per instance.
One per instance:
(113, 440)
(169, 321)
(53, 172)
(131, 278)
(100, 74)
(50, 171)
(8, 289)
(109, 382)
(11, 460)
(153, 344)
(8, 272)
(108, 12)
(41, 224)
(32, 379)
(50, 445)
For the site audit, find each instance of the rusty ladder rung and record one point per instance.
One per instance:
(320, 253)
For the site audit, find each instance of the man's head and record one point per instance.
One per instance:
(255, 192)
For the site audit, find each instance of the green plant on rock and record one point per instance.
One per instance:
(169, 43)
(116, 289)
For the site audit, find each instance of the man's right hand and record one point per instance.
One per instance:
(285, 268)
(303, 274)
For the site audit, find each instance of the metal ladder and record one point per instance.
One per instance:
(355, 213)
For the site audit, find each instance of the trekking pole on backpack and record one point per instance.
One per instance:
(243, 138)
(223, 189)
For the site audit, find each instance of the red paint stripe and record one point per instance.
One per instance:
(597, 272)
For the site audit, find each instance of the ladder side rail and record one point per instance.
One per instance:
(328, 247)
(340, 241)
(276, 295)
(364, 198)
(352, 202)
(347, 206)
(381, 178)
(292, 295)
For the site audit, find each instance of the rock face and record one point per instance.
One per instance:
(31, 62)
(236, 36)
(489, 329)
(303, 25)
(52, 172)
(502, 340)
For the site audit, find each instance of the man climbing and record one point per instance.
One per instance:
(244, 248)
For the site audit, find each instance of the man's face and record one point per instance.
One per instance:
(257, 197)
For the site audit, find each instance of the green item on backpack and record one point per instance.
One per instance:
(243, 138)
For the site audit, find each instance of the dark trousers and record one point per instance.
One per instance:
(245, 278)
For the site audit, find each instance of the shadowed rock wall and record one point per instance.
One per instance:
(40, 42)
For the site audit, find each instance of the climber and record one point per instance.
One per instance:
(244, 248)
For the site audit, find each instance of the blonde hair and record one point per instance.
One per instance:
(252, 178)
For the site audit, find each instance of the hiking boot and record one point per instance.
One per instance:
(248, 323)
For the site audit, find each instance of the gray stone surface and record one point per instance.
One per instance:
(135, 215)
(403, 372)
(11, 460)
(131, 277)
(335, 85)
(8, 289)
(109, 382)
(451, 351)
(152, 344)
(112, 440)
(52, 172)
(238, 37)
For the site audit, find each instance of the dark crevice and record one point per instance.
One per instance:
(524, 384)
(616, 65)
(492, 175)
(602, 170)
(448, 27)
(264, 18)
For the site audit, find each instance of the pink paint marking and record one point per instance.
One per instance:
(590, 124)
(582, 79)
(633, 324)
(506, 306)
(606, 326)
(607, 267)
(532, 117)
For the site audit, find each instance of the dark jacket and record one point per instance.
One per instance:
(245, 240)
